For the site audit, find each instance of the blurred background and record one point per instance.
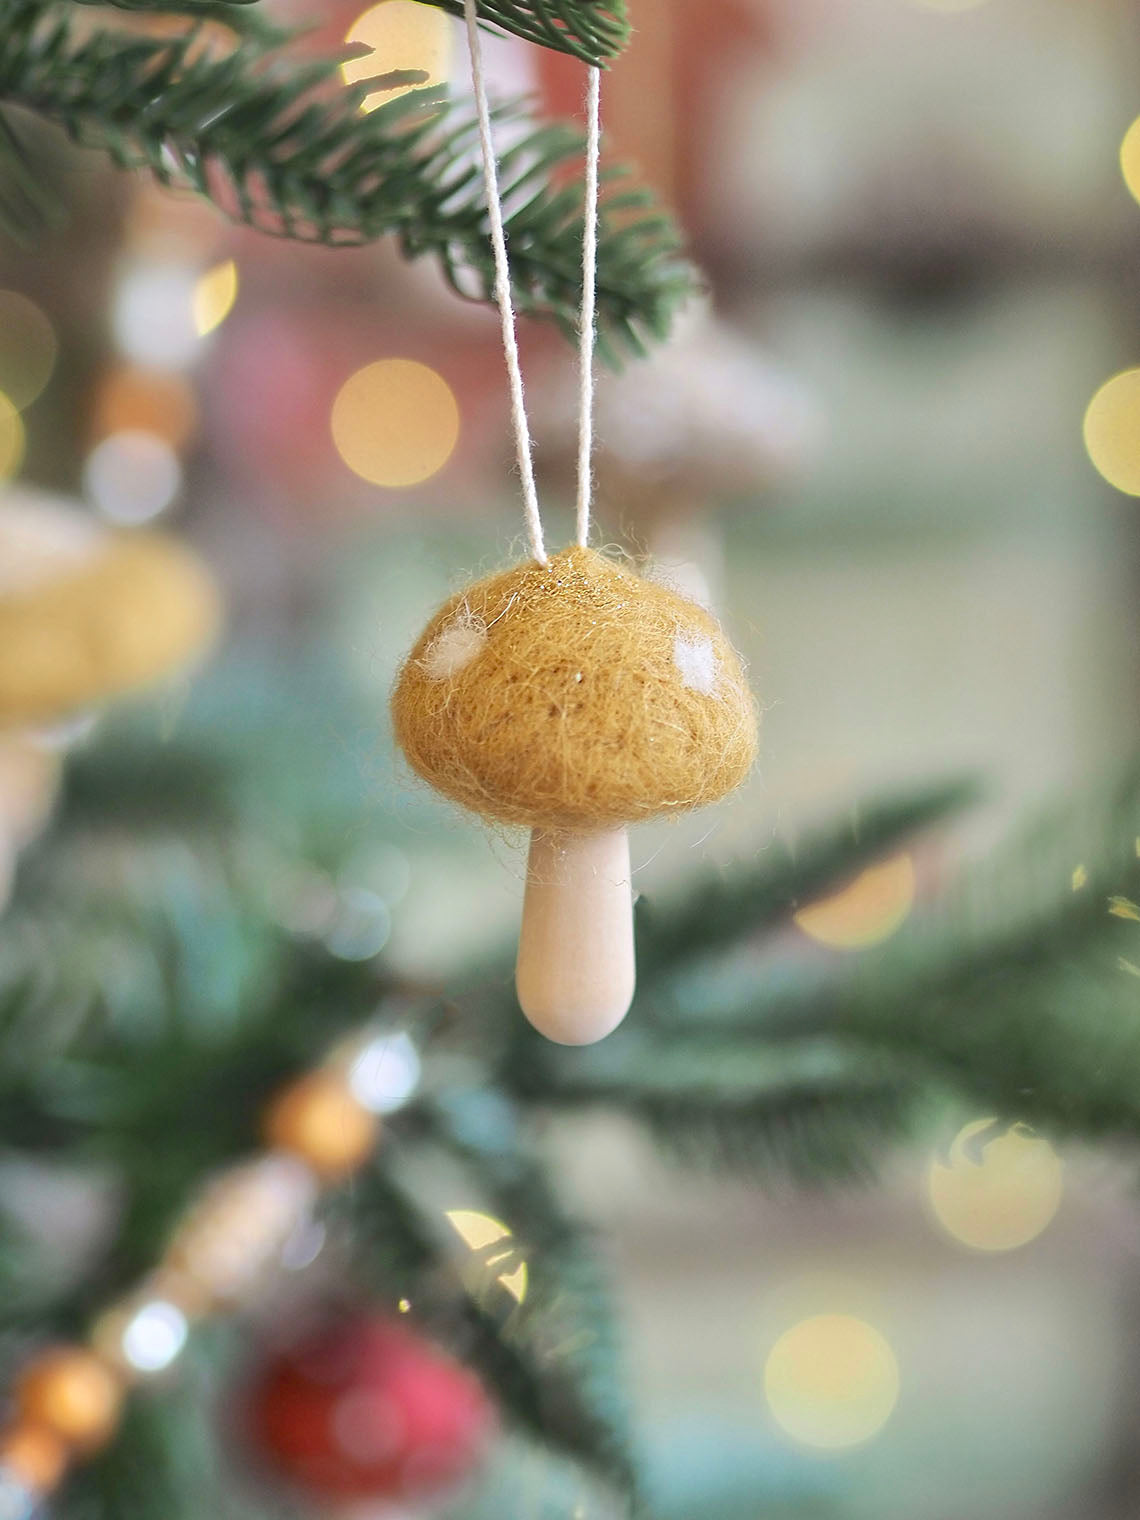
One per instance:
(897, 449)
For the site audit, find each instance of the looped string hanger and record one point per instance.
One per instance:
(524, 448)
(587, 322)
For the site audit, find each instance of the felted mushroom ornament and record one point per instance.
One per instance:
(575, 699)
(570, 695)
(88, 613)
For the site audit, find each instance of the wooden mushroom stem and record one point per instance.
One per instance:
(575, 971)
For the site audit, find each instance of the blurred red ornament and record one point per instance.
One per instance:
(366, 1408)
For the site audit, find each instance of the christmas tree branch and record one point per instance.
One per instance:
(279, 144)
(720, 911)
(530, 1354)
(566, 1320)
(593, 30)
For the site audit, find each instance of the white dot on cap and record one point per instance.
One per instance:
(696, 660)
(454, 647)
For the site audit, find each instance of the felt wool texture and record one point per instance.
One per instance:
(137, 606)
(589, 697)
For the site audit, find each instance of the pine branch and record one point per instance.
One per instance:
(567, 1322)
(279, 145)
(1023, 989)
(808, 1107)
(547, 1360)
(593, 30)
(725, 909)
(1020, 991)
(809, 1136)
(243, 17)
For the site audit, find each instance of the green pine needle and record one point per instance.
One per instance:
(531, 1356)
(278, 143)
(566, 1322)
(719, 912)
(593, 30)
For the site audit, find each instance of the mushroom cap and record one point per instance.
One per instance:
(579, 696)
(87, 613)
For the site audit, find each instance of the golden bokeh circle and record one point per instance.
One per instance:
(996, 1194)
(867, 911)
(28, 349)
(395, 422)
(402, 34)
(1130, 158)
(1112, 431)
(215, 292)
(832, 1381)
(13, 438)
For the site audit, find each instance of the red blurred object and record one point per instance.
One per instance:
(366, 1408)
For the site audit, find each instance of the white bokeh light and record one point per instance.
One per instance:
(385, 1074)
(132, 476)
(153, 1337)
(153, 315)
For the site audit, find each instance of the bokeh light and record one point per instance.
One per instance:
(998, 1193)
(1130, 158)
(865, 913)
(402, 34)
(1112, 431)
(395, 422)
(481, 1232)
(153, 315)
(153, 1338)
(360, 927)
(28, 349)
(132, 476)
(832, 1381)
(385, 1072)
(129, 398)
(13, 439)
(214, 294)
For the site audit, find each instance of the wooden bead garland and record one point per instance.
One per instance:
(33, 1454)
(319, 1120)
(72, 1393)
(68, 1399)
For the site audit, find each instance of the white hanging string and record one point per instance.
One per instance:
(588, 322)
(524, 448)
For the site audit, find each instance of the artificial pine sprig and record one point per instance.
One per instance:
(593, 30)
(127, 1009)
(278, 143)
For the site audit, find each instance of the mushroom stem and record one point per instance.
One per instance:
(575, 971)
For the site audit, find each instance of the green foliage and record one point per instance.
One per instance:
(147, 980)
(548, 1360)
(593, 30)
(564, 1331)
(276, 142)
(720, 912)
